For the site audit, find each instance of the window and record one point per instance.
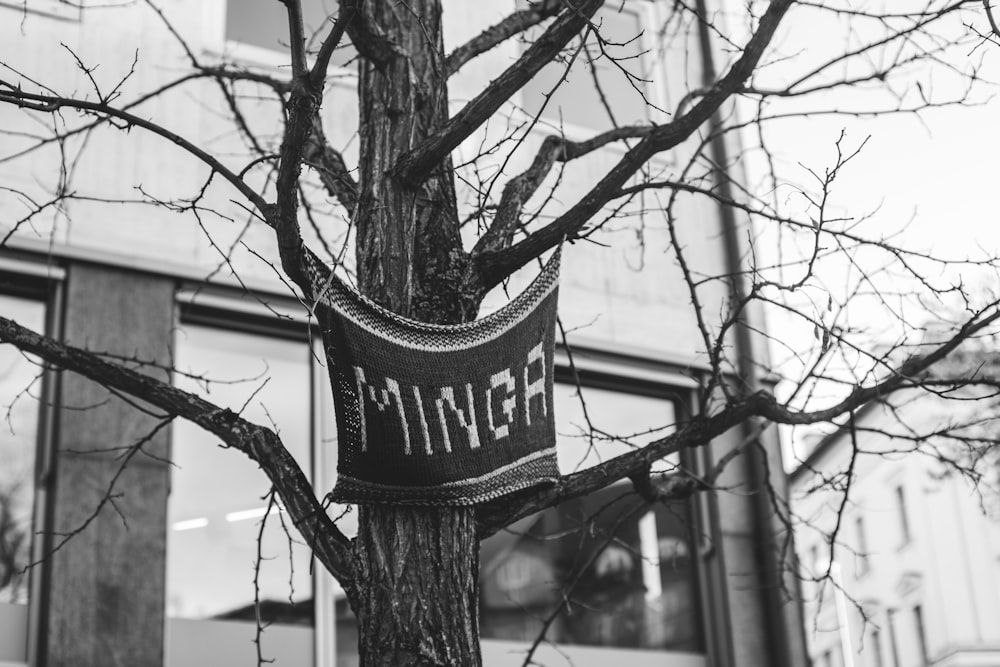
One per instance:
(621, 421)
(904, 523)
(610, 76)
(218, 507)
(629, 570)
(20, 387)
(816, 571)
(862, 563)
(603, 570)
(259, 28)
(918, 624)
(893, 640)
(874, 648)
(813, 563)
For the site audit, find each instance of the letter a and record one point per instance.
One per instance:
(536, 388)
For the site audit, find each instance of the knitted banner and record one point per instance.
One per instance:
(442, 414)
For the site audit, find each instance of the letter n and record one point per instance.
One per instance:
(468, 422)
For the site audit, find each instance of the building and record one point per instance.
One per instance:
(913, 576)
(164, 572)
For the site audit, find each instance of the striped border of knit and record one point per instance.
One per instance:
(416, 402)
(531, 471)
(400, 330)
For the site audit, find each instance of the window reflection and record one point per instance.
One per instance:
(218, 503)
(604, 570)
(20, 385)
(599, 571)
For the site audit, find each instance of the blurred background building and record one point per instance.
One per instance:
(913, 578)
(164, 573)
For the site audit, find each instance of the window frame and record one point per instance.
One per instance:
(902, 515)
(222, 310)
(641, 375)
(919, 623)
(875, 637)
(894, 647)
(591, 367)
(39, 279)
(862, 563)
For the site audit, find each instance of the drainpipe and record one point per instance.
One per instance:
(784, 630)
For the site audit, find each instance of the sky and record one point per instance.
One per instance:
(931, 177)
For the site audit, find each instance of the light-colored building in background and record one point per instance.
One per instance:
(681, 586)
(917, 549)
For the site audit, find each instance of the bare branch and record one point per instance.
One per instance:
(992, 19)
(11, 94)
(330, 166)
(415, 165)
(500, 32)
(494, 266)
(520, 189)
(301, 111)
(296, 37)
(702, 429)
(332, 41)
(367, 38)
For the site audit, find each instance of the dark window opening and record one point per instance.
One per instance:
(264, 24)
(904, 522)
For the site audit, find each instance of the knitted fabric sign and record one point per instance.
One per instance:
(442, 414)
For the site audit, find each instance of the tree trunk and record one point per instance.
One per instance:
(418, 588)
(409, 250)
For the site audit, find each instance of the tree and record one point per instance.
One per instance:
(411, 236)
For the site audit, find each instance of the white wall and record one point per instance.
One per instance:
(631, 295)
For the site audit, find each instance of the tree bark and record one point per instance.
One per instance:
(417, 578)
(409, 250)
(419, 591)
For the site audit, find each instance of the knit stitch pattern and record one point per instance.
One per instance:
(442, 414)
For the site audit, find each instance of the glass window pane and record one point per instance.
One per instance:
(20, 385)
(602, 570)
(599, 571)
(264, 24)
(217, 503)
(601, 76)
(621, 422)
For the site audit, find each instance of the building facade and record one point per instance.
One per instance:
(914, 573)
(157, 555)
